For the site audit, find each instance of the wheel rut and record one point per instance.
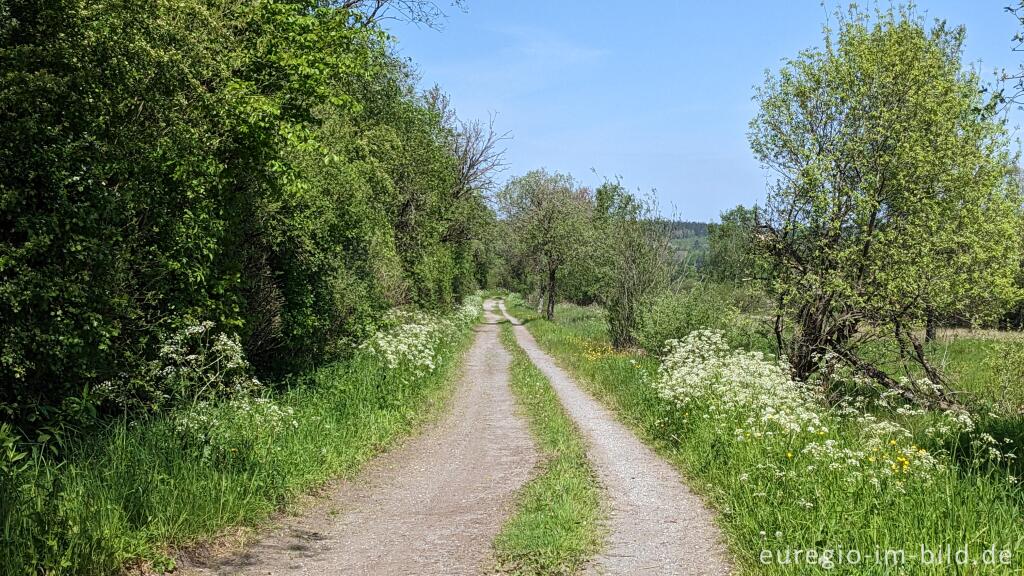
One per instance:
(432, 505)
(656, 524)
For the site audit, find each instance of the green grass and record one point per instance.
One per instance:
(133, 492)
(964, 505)
(557, 524)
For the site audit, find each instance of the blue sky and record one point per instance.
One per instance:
(657, 92)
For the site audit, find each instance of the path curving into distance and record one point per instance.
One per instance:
(656, 524)
(433, 505)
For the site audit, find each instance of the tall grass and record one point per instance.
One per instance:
(556, 525)
(776, 501)
(135, 490)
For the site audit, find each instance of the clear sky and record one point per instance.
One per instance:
(657, 92)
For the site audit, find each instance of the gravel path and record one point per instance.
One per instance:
(431, 506)
(657, 525)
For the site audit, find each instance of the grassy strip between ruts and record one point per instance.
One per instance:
(779, 503)
(137, 490)
(557, 524)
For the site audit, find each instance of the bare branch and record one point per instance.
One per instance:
(425, 12)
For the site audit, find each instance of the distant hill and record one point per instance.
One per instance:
(687, 229)
(689, 242)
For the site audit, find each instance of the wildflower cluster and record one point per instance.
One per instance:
(227, 431)
(743, 390)
(413, 340)
(196, 363)
(882, 455)
(752, 401)
(211, 363)
(597, 350)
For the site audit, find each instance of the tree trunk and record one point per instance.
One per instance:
(551, 294)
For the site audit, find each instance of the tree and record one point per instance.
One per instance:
(1011, 90)
(268, 167)
(894, 196)
(424, 12)
(634, 257)
(548, 216)
(732, 255)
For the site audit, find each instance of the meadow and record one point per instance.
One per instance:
(864, 487)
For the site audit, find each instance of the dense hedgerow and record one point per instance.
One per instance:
(264, 168)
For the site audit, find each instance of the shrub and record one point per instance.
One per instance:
(675, 313)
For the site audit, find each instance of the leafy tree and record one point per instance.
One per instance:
(732, 250)
(633, 257)
(894, 194)
(548, 216)
(267, 166)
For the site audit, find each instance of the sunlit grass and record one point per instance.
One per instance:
(131, 492)
(556, 525)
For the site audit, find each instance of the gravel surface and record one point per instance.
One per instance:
(431, 506)
(656, 524)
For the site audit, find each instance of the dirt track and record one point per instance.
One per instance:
(657, 525)
(432, 505)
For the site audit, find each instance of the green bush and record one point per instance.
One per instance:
(674, 314)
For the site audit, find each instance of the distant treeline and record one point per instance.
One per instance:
(686, 228)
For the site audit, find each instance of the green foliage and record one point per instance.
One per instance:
(732, 247)
(264, 165)
(675, 313)
(632, 257)
(896, 199)
(128, 492)
(549, 220)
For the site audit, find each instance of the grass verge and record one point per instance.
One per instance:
(783, 501)
(135, 491)
(556, 526)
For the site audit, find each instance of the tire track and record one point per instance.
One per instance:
(656, 524)
(431, 506)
